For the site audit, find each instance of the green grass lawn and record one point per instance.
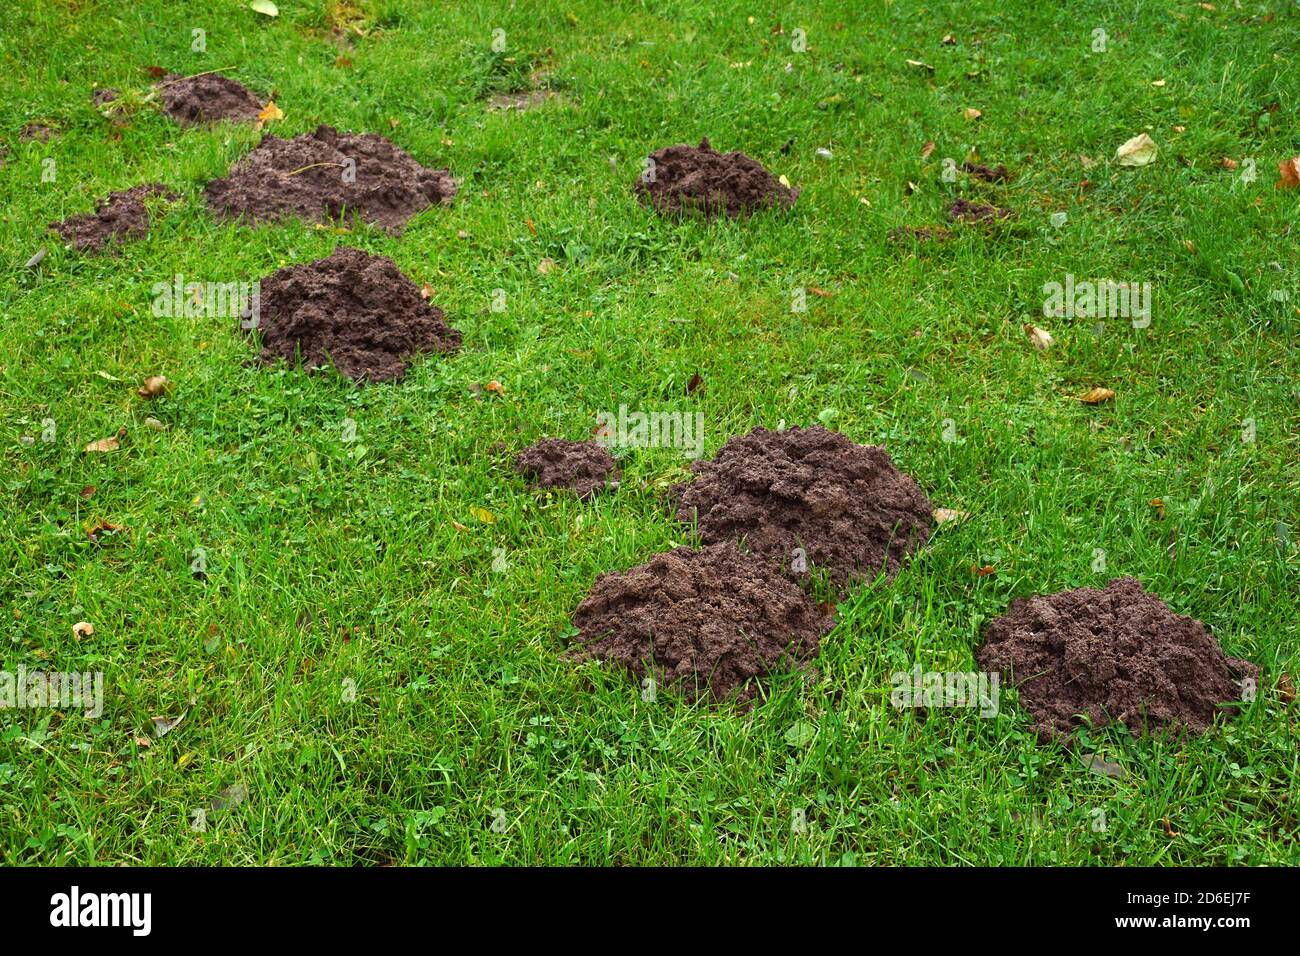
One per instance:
(335, 564)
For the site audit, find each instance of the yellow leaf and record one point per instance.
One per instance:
(1095, 396)
(483, 514)
(269, 112)
(104, 444)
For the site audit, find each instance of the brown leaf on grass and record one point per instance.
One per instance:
(269, 113)
(971, 113)
(982, 572)
(820, 292)
(695, 384)
(426, 291)
(927, 150)
(919, 65)
(1095, 396)
(157, 72)
(546, 266)
(458, 526)
(495, 386)
(102, 527)
(82, 629)
(1227, 163)
(1041, 338)
(949, 40)
(1164, 821)
(1290, 172)
(107, 444)
(944, 516)
(87, 492)
(153, 386)
(162, 726)
(1285, 689)
(1159, 505)
(531, 228)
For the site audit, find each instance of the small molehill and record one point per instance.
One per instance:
(351, 309)
(122, 215)
(327, 175)
(1116, 654)
(583, 466)
(963, 210)
(711, 623)
(690, 179)
(808, 497)
(207, 98)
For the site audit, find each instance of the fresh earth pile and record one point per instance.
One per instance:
(684, 179)
(1118, 654)
(845, 506)
(326, 175)
(710, 622)
(557, 463)
(351, 308)
(121, 216)
(207, 98)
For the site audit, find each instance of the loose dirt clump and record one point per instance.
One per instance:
(1118, 654)
(122, 215)
(353, 309)
(711, 622)
(685, 179)
(997, 174)
(963, 210)
(36, 133)
(325, 175)
(582, 466)
(104, 95)
(207, 98)
(808, 497)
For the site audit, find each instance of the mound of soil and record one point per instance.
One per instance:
(686, 179)
(121, 216)
(207, 98)
(1118, 654)
(963, 210)
(327, 174)
(997, 174)
(711, 622)
(845, 505)
(558, 463)
(353, 309)
(36, 133)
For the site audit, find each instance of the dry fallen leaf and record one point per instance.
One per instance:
(1227, 163)
(162, 726)
(1169, 827)
(917, 64)
(1041, 338)
(927, 150)
(1141, 150)
(943, 516)
(1095, 396)
(971, 113)
(1285, 689)
(458, 526)
(483, 514)
(495, 386)
(695, 384)
(82, 629)
(153, 386)
(107, 444)
(426, 291)
(820, 292)
(154, 425)
(1159, 505)
(268, 113)
(546, 266)
(102, 527)
(983, 572)
(1290, 170)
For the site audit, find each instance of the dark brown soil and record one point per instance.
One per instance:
(1118, 654)
(985, 174)
(207, 98)
(36, 133)
(121, 216)
(963, 210)
(104, 94)
(711, 623)
(353, 309)
(845, 505)
(688, 179)
(326, 175)
(920, 234)
(582, 466)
